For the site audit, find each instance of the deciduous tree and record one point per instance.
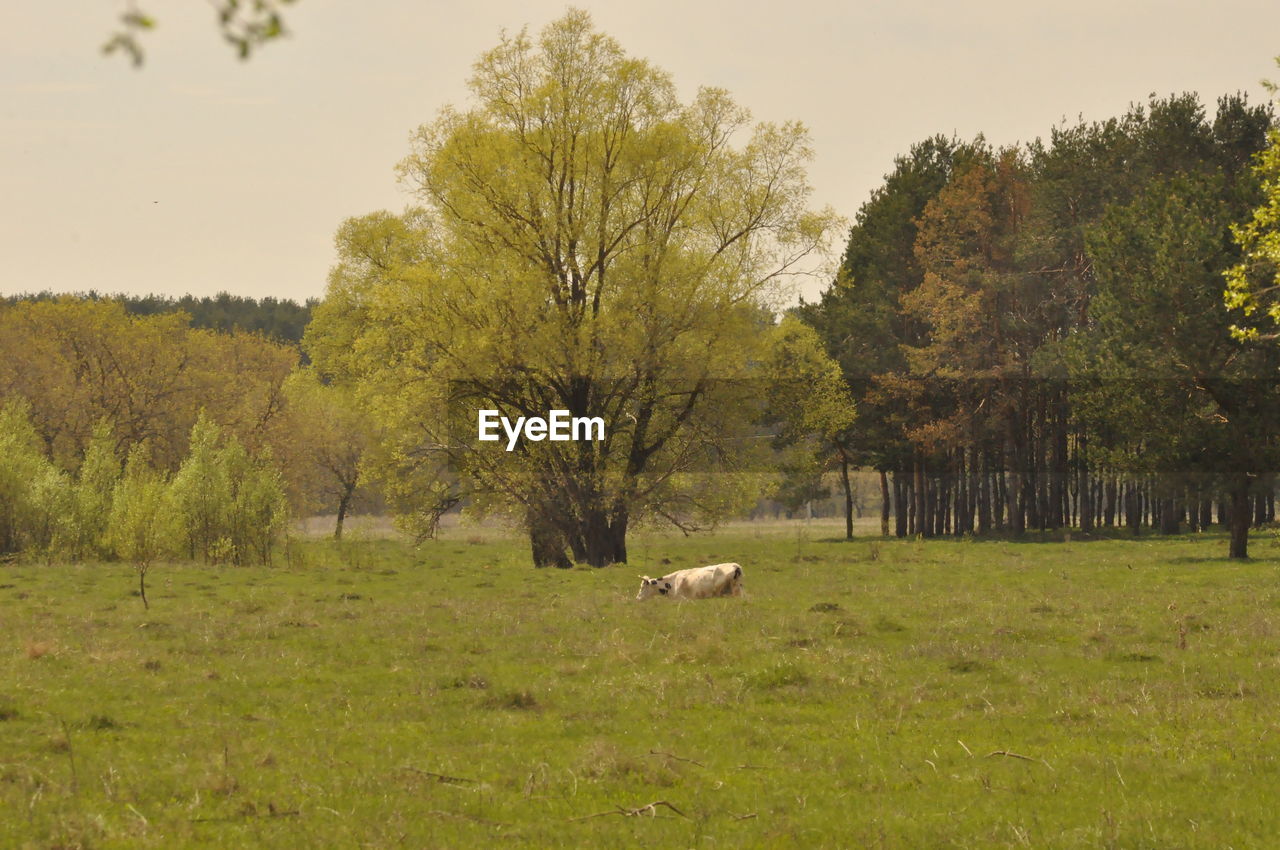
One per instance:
(586, 242)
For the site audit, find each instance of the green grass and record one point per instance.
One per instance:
(1109, 693)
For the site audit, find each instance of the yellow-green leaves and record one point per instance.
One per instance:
(1253, 284)
(585, 242)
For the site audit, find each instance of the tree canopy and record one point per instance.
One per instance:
(585, 242)
(1035, 335)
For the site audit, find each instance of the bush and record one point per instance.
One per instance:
(229, 506)
(140, 528)
(22, 466)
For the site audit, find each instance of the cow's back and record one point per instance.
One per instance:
(705, 582)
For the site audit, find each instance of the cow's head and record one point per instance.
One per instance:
(653, 587)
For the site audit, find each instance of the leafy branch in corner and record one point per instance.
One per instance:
(245, 24)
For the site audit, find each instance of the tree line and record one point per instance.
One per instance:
(279, 319)
(1037, 337)
(220, 433)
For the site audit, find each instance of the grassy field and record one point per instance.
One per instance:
(880, 693)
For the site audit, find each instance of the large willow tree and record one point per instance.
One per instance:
(583, 241)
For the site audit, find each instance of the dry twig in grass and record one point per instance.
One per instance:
(1010, 755)
(462, 816)
(651, 810)
(677, 758)
(439, 777)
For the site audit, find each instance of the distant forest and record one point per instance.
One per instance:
(1037, 336)
(278, 319)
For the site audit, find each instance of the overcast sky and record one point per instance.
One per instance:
(200, 173)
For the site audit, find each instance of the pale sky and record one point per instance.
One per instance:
(200, 173)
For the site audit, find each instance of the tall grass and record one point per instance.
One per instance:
(1109, 693)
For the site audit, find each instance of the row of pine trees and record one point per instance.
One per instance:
(1036, 336)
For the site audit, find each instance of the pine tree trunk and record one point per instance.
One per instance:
(884, 506)
(1111, 496)
(900, 527)
(920, 492)
(1013, 497)
(984, 495)
(1169, 516)
(1241, 513)
(1132, 507)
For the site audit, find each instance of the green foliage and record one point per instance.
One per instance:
(228, 506)
(24, 517)
(94, 489)
(78, 362)
(42, 509)
(51, 505)
(585, 242)
(809, 405)
(223, 504)
(1253, 284)
(259, 510)
(200, 493)
(245, 24)
(141, 528)
(323, 441)
(860, 317)
(1161, 327)
(1015, 322)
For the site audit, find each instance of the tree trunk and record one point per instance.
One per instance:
(605, 535)
(1169, 516)
(899, 505)
(1109, 516)
(546, 542)
(343, 504)
(618, 531)
(1132, 512)
(884, 506)
(1241, 511)
(1000, 498)
(1085, 487)
(984, 494)
(848, 495)
(920, 497)
(1013, 496)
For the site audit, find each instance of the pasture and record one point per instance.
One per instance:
(879, 693)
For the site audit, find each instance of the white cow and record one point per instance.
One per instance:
(696, 583)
